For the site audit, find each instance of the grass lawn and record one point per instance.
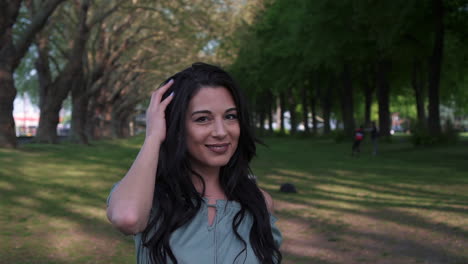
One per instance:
(405, 205)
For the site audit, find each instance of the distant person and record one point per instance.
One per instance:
(374, 137)
(189, 196)
(358, 137)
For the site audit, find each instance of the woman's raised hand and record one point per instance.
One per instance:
(155, 117)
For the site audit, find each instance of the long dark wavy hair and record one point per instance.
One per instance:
(176, 199)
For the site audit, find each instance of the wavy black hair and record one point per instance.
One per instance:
(175, 195)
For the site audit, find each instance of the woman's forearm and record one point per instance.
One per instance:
(131, 201)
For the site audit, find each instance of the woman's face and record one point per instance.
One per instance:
(212, 128)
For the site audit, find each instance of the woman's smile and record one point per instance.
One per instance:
(219, 148)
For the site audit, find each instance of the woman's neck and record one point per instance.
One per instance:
(213, 190)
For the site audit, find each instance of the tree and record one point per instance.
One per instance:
(11, 53)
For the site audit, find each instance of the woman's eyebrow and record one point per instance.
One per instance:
(209, 112)
(201, 112)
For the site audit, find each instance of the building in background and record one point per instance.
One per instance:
(26, 115)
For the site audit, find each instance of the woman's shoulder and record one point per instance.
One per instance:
(268, 200)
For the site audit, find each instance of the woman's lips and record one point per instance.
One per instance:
(218, 148)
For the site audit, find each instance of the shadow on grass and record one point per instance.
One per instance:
(64, 182)
(56, 210)
(387, 245)
(375, 188)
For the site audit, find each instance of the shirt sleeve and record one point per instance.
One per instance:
(277, 236)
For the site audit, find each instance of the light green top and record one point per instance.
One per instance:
(198, 242)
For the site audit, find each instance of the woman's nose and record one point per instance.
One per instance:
(219, 129)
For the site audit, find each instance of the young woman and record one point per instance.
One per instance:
(189, 196)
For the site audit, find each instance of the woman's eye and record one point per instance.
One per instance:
(201, 119)
(231, 116)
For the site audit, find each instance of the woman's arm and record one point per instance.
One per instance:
(131, 201)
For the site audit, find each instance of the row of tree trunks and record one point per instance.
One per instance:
(11, 54)
(375, 79)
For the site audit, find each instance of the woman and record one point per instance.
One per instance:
(189, 196)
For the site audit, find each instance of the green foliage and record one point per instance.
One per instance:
(291, 40)
(26, 81)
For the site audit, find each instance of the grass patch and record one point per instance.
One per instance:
(406, 205)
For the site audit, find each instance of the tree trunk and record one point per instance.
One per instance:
(369, 87)
(261, 119)
(383, 96)
(326, 96)
(292, 111)
(48, 121)
(101, 125)
(418, 85)
(59, 89)
(51, 96)
(282, 108)
(347, 108)
(314, 95)
(50, 100)
(270, 112)
(313, 109)
(79, 111)
(120, 126)
(9, 14)
(7, 97)
(305, 109)
(435, 67)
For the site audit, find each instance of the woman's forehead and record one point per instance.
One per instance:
(211, 97)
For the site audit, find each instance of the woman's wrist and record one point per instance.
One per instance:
(152, 141)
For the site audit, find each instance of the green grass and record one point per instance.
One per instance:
(405, 205)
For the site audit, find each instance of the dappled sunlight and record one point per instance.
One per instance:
(6, 186)
(346, 211)
(57, 204)
(90, 211)
(294, 173)
(27, 201)
(299, 239)
(358, 238)
(370, 212)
